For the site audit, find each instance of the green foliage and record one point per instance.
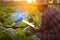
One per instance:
(2, 19)
(57, 6)
(11, 34)
(7, 34)
(29, 38)
(7, 23)
(17, 34)
(20, 34)
(22, 24)
(36, 20)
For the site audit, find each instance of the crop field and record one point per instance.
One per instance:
(17, 32)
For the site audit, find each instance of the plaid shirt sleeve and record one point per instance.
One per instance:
(43, 21)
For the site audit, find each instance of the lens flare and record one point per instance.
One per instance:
(29, 1)
(18, 16)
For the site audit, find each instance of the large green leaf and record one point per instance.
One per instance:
(20, 34)
(8, 34)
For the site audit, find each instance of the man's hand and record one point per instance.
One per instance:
(36, 29)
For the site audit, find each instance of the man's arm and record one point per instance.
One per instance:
(48, 19)
(43, 23)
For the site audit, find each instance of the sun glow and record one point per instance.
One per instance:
(28, 1)
(18, 0)
(31, 1)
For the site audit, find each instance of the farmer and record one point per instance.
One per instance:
(50, 22)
